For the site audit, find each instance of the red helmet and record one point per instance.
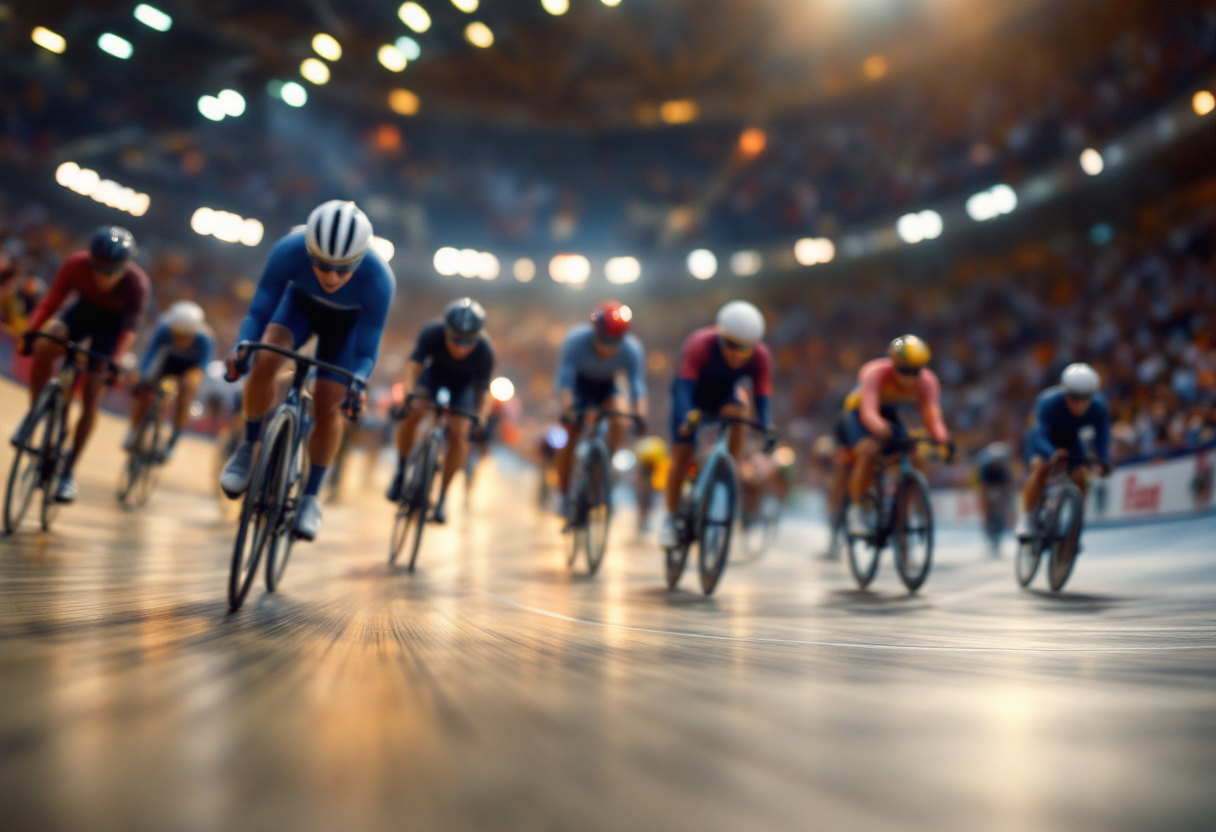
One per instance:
(611, 320)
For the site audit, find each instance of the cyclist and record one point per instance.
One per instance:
(325, 280)
(870, 424)
(591, 356)
(715, 360)
(1060, 413)
(112, 294)
(653, 461)
(455, 354)
(181, 346)
(994, 478)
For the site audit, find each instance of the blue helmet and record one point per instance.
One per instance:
(112, 248)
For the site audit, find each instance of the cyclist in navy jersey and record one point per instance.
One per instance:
(715, 361)
(323, 280)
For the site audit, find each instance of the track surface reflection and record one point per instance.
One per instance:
(493, 689)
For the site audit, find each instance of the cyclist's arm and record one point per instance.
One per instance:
(869, 409)
(160, 340)
(208, 351)
(51, 302)
(635, 357)
(375, 300)
(1038, 432)
(125, 341)
(762, 384)
(692, 362)
(930, 392)
(566, 370)
(271, 286)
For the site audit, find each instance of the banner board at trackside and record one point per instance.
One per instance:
(1138, 491)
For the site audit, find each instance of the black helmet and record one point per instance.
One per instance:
(112, 248)
(465, 317)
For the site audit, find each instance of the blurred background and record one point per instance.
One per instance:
(1024, 183)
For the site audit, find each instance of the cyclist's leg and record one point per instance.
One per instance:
(187, 385)
(46, 353)
(563, 458)
(94, 383)
(407, 429)
(1037, 470)
(327, 428)
(458, 447)
(842, 466)
(103, 330)
(734, 410)
(617, 425)
(142, 396)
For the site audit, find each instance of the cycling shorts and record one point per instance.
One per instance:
(334, 327)
(102, 327)
(1031, 451)
(462, 389)
(708, 408)
(593, 392)
(853, 430)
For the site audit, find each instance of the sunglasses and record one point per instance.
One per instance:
(332, 269)
(907, 371)
(736, 346)
(608, 342)
(461, 340)
(110, 271)
(1078, 399)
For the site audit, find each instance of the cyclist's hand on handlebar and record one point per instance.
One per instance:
(951, 451)
(639, 425)
(1059, 455)
(25, 345)
(770, 442)
(356, 397)
(236, 365)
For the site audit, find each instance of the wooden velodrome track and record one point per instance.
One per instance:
(493, 690)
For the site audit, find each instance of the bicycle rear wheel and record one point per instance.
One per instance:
(28, 462)
(52, 453)
(718, 506)
(259, 516)
(424, 488)
(675, 557)
(139, 459)
(1030, 552)
(913, 539)
(289, 466)
(864, 552)
(599, 507)
(1065, 535)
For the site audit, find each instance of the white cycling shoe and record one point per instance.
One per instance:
(859, 524)
(669, 535)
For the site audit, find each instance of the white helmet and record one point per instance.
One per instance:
(741, 321)
(185, 317)
(338, 233)
(1079, 380)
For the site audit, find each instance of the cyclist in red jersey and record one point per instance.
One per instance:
(111, 296)
(870, 423)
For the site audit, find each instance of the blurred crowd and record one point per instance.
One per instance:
(961, 123)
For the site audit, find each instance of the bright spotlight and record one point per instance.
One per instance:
(1091, 161)
(623, 270)
(702, 264)
(48, 40)
(466, 6)
(479, 34)
(913, 228)
(489, 268)
(469, 263)
(112, 44)
(502, 389)
(409, 47)
(251, 232)
(680, 111)
(403, 102)
(139, 205)
(314, 71)
(228, 227)
(327, 47)
(992, 203)
(414, 16)
(573, 269)
(447, 261)
(624, 460)
(626, 314)
(203, 221)
(524, 269)
(752, 142)
(66, 173)
(746, 263)
(611, 2)
(384, 248)
(211, 108)
(86, 182)
(556, 7)
(232, 102)
(811, 251)
(1203, 102)
(391, 58)
(153, 17)
(293, 94)
(874, 67)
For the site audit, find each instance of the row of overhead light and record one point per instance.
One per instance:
(88, 182)
(107, 42)
(226, 226)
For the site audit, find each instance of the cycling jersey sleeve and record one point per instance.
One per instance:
(682, 390)
(207, 350)
(929, 391)
(373, 315)
(266, 298)
(869, 383)
(762, 372)
(566, 364)
(54, 299)
(1038, 431)
(635, 358)
(158, 343)
(1102, 430)
(764, 410)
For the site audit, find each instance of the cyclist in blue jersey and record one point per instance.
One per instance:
(591, 356)
(181, 346)
(1061, 412)
(324, 280)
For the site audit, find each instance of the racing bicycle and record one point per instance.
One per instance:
(709, 505)
(590, 494)
(137, 477)
(40, 439)
(420, 491)
(901, 515)
(1056, 522)
(268, 512)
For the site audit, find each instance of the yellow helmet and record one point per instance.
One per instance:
(651, 450)
(909, 352)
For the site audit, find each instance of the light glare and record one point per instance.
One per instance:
(314, 71)
(1091, 161)
(1203, 102)
(479, 34)
(556, 7)
(502, 389)
(391, 58)
(680, 111)
(623, 270)
(48, 40)
(112, 44)
(327, 46)
(992, 203)
(414, 16)
(409, 47)
(403, 102)
(572, 269)
(384, 248)
(153, 17)
(746, 263)
(524, 269)
(226, 226)
(293, 94)
(447, 261)
(914, 228)
(232, 102)
(211, 108)
(812, 251)
(702, 264)
(466, 6)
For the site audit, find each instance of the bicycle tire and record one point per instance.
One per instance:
(913, 529)
(675, 558)
(1030, 552)
(864, 553)
(257, 510)
(424, 486)
(599, 507)
(576, 513)
(24, 479)
(278, 551)
(138, 459)
(716, 520)
(1066, 534)
(838, 533)
(52, 453)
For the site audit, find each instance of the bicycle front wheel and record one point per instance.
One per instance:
(716, 513)
(913, 531)
(139, 459)
(28, 462)
(599, 506)
(425, 494)
(864, 552)
(1065, 535)
(289, 467)
(52, 452)
(259, 516)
